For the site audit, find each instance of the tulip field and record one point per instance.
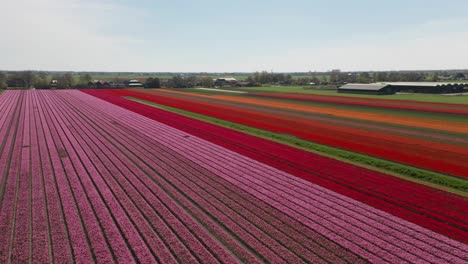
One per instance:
(370, 102)
(429, 143)
(93, 177)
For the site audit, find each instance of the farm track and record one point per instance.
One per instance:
(83, 180)
(445, 158)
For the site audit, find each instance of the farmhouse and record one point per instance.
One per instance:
(409, 87)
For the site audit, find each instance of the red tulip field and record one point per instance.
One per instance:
(92, 177)
(416, 145)
(370, 102)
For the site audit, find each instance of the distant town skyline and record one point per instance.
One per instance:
(234, 36)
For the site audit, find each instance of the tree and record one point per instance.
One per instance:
(364, 77)
(381, 77)
(324, 79)
(435, 77)
(153, 83)
(85, 79)
(41, 81)
(69, 80)
(64, 81)
(28, 77)
(206, 82)
(250, 79)
(177, 82)
(191, 81)
(335, 76)
(3, 80)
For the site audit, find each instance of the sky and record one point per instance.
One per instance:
(233, 36)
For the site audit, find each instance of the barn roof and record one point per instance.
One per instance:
(424, 84)
(361, 86)
(378, 86)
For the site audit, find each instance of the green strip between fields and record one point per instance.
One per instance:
(434, 179)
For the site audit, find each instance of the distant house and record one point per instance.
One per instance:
(53, 84)
(134, 83)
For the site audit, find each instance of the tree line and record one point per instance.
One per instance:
(40, 80)
(339, 77)
(43, 80)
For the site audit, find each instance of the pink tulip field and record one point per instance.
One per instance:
(86, 180)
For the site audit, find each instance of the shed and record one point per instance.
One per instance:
(407, 87)
(134, 83)
(428, 87)
(371, 88)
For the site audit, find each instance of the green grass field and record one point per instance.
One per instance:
(441, 181)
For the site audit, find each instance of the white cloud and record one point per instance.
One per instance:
(61, 35)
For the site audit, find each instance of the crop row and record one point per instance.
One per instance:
(407, 120)
(430, 155)
(363, 126)
(243, 228)
(86, 181)
(98, 199)
(271, 190)
(433, 209)
(378, 103)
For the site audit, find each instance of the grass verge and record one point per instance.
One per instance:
(434, 179)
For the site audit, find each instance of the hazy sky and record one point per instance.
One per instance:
(234, 35)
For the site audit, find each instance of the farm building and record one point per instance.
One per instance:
(224, 81)
(134, 83)
(245, 84)
(428, 87)
(409, 87)
(372, 88)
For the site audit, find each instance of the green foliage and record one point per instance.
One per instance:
(3, 80)
(206, 82)
(65, 81)
(85, 79)
(153, 83)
